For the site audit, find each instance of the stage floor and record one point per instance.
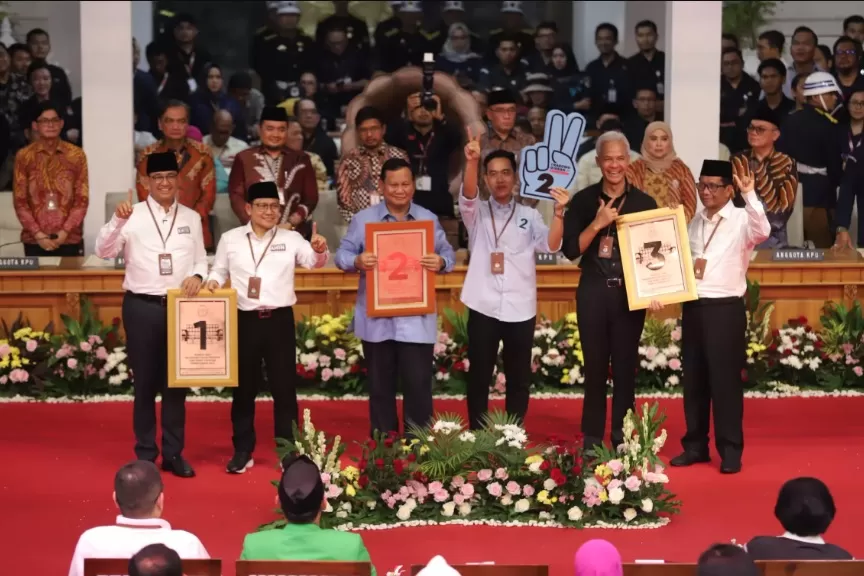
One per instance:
(61, 459)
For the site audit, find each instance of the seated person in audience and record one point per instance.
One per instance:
(39, 78)
(537, 119)
(138, 493)
(169, 86)
(51, 190)
(342, 73)
(805, 509)
(315, 139)
(223, 146)
(250, 99)
(301, 497)
(539, 90)
(210, 97)
(294, 141)
(456, 57)
(726, 560)
(634, 125)
(156, 560)
(597, 558)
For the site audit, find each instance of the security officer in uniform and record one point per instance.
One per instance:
(513, 27)
(405, 44)
(355, 30)
(256, 50)
(287, 53)
(391, 23)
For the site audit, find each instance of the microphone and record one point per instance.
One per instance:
(50, 237)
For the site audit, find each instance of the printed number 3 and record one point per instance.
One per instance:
(546, 181)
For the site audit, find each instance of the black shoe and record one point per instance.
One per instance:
(178, 466)
(240, 463)
(730, 467)
(688, 459)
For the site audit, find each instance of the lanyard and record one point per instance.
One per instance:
(252, 252)
(705, 247)
(190, 65)
(162, 84)
(852, 144)
(164, 239)
(424, 153)
(492, 215)
(620, 206)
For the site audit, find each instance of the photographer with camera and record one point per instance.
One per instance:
(430, 142)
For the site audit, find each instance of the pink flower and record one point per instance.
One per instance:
(675, 364)
(89, 370)
(616, 466)
(435, 487)
(443, 337)
(591, 495)
(4, 350)
(500, 380)
(484, 475)
(19, 375)
(441, 495)
(494, 489)
(466, 363)
(391, 502)
(651, 352)
(659, 468)
(858, 370)
(613, 485)
(72, 363)
(676, 334)
(632, 483)
(847, 348)
(3, 380)
(326, 374)
(457, 482)
(513, 488)
(85, 346)
(325, 478)
(467, 490)
(101, 353)
(102, 374)
(458, 499)
(418, 489)
(32, 345)
(501, 474)
(339, 353)
(439, 349)
(333, 491)
(527, 490)
(94, 340)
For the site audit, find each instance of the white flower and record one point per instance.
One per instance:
(535, 467)
(467, 436)
(629, 514)
(506, 500)
(446, 426)
(574, 514)
(353, 359)
(341, 514)
(522, 505)
(447, 508)
(549, 484)
(404, 512)
(544, 516)
(647, 505)
(616, 495)
(309, 344)
(464, 509)
(371, 504)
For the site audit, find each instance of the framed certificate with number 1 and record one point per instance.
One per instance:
(202, 339)
(399, 285)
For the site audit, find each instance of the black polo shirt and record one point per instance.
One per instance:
(646, 72)
(581, 213)
(611, 87)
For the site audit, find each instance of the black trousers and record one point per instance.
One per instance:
(146, 322)
(608, 331)
(65, 250)
(390, 362)
(268, 336)
(714, 351)
(484, 334)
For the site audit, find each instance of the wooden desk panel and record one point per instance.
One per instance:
(796, 288)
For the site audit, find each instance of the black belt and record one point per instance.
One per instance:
(715, 301)
(264, 312)
(161, 300)
(614, 282)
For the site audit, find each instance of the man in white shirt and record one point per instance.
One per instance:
(163, 245)
(223, 146)
(260, 259)
(714, 342)
(500, 289)
(138, 493)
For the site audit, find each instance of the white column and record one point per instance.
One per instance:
(587, 14)
(693, 32)
(106, 104)
(142, 27)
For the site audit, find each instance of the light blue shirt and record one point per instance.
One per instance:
(511, 296)
(412, 329)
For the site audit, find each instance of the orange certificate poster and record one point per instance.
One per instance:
(399, 285)
(202, 340)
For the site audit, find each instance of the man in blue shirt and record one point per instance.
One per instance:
(500, 289)
(395, 348)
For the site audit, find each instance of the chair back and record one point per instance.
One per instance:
(120, 567)
(493, 570)
(773, 568)
(294, 568)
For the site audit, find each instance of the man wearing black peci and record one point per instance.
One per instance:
(609, 328)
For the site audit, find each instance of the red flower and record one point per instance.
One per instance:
(115, 321)
(817, 344)
(772, 347)
(398, 467)
(802, 319)
(744, 377)
(363, 481)
(577, 470)
(362, 464)
(544, 465)
(560, 450)
(420, 477)
(388, 442)
(355, 368)
(558, 476)
(775, 332)
(787, 352)
(379, 462)
(412, 457)
(459, 366)
(808, 329)
(372, 445)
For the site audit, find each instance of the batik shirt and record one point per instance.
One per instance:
(359, 176)
(776, 181)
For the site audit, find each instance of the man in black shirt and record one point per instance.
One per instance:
(772, 78)
(648, 66)
(40, 47)
(609, 328)
(847, 57)
(611, 91)
(355, 29)
(634, 125)
(739, 94)
(509, 72)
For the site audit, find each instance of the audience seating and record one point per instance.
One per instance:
(120, 567)
(291, 568)
(492, 570)
(779, 568)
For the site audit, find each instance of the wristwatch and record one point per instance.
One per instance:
(841, 229)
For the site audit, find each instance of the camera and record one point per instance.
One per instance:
(427, 99)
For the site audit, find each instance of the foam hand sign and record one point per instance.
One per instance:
(552, 163)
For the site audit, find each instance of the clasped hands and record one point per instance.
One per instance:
(49, 244)
(367, 261)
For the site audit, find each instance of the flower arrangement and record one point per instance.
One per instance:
(23, 356)
(329, 355)
(660, 353)
(494, 475)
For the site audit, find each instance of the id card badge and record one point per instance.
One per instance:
(254, 291)
(193, 85)
(166, 265)
(699, 268)
(424, 183)
(612, 97)
(606, 247)
(497, 262)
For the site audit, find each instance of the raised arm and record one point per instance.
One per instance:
(110, 240)
(470, 181)
(758, 226)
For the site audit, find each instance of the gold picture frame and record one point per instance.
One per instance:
(202, 339)
(655, 257)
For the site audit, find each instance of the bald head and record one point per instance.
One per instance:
(222, 127)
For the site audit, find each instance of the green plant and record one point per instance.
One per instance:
(459, 323)
(758, 314)
(745, 18)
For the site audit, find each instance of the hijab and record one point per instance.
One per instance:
(452, 55)
(654, 163)
(597, 558)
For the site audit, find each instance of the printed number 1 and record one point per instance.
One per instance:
(546, 181)
(202, 332)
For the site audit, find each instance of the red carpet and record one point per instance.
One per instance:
(61, 460)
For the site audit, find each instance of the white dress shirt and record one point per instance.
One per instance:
(287, 250)
(511, 296)
(739, 231)
(128, 536)
(141, 245)
(227, 152)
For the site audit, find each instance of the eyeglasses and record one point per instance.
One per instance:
(856, 103)
(268, 207)
(49, 121)
(160, 178)
(711, 187)
(758, 129)
(851, 52)
(504, 111)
